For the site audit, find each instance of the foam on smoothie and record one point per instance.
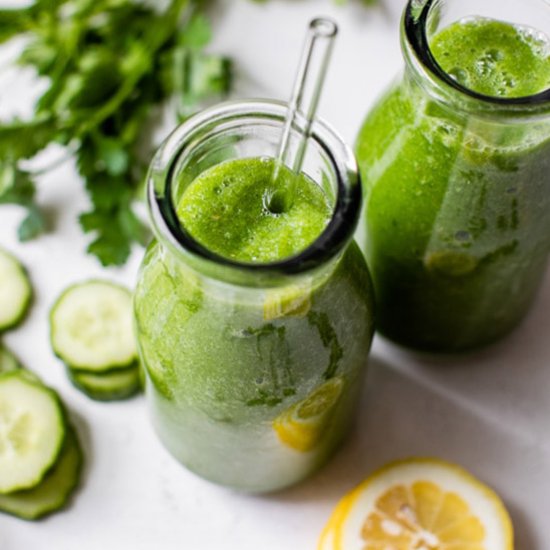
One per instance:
(225, 210)
(493, 58)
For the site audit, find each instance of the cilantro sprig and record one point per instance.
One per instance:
(110, 64)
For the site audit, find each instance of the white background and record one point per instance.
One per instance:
(488, 411)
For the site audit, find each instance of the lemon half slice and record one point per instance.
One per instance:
(327, 541)
(420, 504)
(303, 425)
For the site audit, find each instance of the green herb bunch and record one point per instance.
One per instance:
(109, 64)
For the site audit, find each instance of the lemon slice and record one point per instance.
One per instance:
(327, 540)
(291, 301)
(420, 504)
(303, 425)
(451, 263)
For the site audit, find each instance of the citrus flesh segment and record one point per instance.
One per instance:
(302, 426)
(421, 504)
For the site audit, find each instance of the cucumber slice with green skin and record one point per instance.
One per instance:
(15, 291)
(110, 386)
(92, 327)
(8, 361)
(53, 492)
(32, 431)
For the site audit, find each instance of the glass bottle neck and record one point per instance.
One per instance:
(423, 19)
(243, 130)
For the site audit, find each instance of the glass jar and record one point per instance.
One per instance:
(457, 191)
(252, 370)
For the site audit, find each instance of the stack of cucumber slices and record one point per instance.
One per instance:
(92, 332)
(40, 455)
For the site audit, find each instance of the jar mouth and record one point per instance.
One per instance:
(328, 245)
(415, 23)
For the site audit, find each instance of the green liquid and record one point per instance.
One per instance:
(494, 58)
(457, 225)
(253, 388)
(230, 209)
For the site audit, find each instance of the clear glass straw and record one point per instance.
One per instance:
(305, 95)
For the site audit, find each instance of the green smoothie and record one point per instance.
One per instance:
(457, 224)
(236, 210)
(253, 387)
(494, 58)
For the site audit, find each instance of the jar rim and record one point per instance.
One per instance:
(415, 23)
(328, 245)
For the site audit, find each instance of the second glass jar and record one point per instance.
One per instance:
(457, 191)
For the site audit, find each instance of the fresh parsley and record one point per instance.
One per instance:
(110, 64)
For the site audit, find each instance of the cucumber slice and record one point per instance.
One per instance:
(8, 361)
(53, 492)
(110, 386)
(92, 327)
(15, 291)
(32, 431)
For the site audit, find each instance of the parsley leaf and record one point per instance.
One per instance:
(23, 140)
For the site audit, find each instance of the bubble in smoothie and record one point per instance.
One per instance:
(491, 57)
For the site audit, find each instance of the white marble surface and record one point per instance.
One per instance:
(488, 411)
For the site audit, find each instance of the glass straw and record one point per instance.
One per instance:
(305, 97)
